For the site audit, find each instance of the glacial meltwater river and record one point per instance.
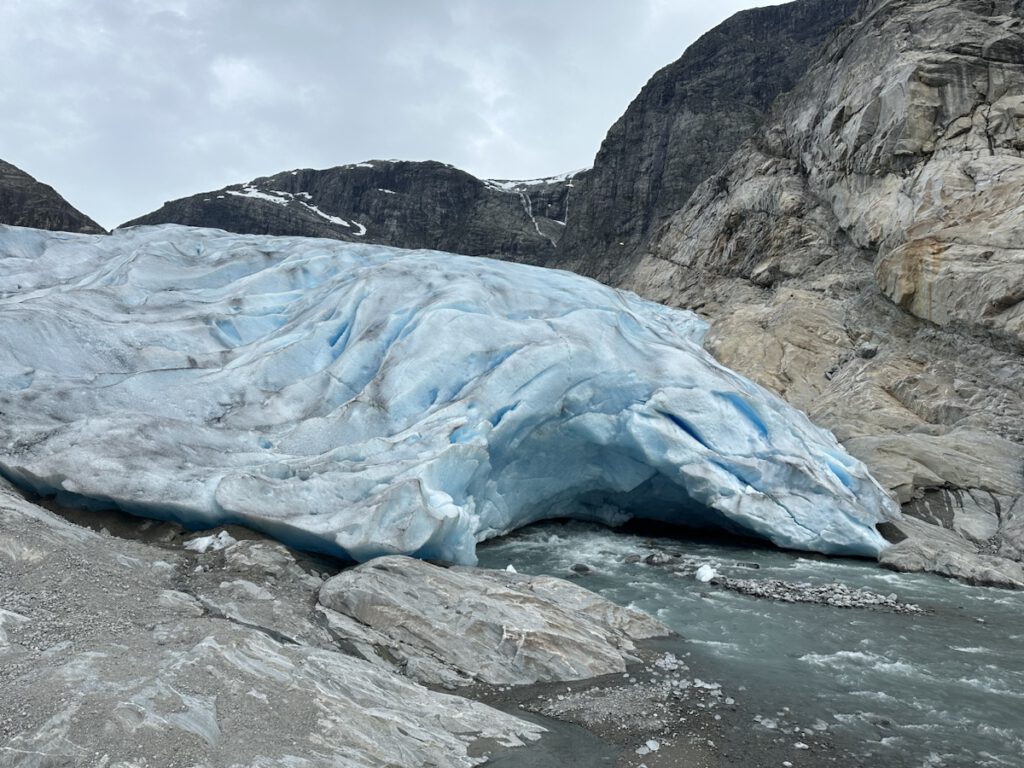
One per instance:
(945, 688)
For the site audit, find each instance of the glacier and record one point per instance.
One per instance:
(363, 400)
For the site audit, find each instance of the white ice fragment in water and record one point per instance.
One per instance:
(652, 745)
(667, 662)
(511, 568)
(705, 573)
(211, 543)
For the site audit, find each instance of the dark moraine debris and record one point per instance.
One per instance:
(835, 595)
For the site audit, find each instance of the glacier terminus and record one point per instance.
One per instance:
(362, 400)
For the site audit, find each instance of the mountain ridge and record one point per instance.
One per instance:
(26, 202)
(408, 204)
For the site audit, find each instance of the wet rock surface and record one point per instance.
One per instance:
(660, 714)
(835, 594)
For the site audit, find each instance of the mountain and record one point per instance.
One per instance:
(404, 204)
(25, 202)
(684, 125)
(681, 128)
(862, 254)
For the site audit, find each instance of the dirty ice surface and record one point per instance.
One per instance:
(363, 400)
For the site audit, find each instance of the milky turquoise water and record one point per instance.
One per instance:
(941, 689)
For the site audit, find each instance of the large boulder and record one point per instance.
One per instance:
(470, 624)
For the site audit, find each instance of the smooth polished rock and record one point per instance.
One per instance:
(489, 626)
(121, 653)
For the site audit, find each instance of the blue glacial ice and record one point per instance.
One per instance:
(363, 400)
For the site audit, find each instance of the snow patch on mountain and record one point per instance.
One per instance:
(281, 197)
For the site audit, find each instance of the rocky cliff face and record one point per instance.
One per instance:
(684, 125)
(863, 255)
(405, 204)
(25, 202)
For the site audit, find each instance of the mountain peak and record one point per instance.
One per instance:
(25, 202)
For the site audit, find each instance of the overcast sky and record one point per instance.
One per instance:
(123, 104)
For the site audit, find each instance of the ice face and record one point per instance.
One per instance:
(363, 400)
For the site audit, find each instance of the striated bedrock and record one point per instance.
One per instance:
(919, 156)
(390, 202)
(25, 202)
(363, 400)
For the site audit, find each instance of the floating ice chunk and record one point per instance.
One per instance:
(705, 573)
(648, 747)
(362, 400)
(511, 568)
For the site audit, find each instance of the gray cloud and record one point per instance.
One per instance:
(122, 104)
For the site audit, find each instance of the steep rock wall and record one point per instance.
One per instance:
(862, 254)
(684, 125)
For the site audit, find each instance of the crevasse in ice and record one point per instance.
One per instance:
(362, 400)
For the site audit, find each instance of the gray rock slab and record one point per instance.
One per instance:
(124, 653)
(489, 626)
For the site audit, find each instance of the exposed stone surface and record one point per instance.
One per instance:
(490, 626)
(685, 124)
(940, 550)
(25, 202)
(405, 204)
(861, 255)
(123, 653)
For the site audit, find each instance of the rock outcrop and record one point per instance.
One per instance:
(388, 202)
(685, 124)
(465, 625)
(862, 255)
(136, 650)
(25, 202)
